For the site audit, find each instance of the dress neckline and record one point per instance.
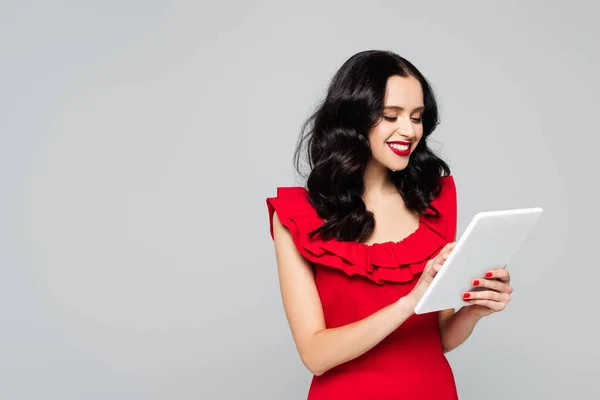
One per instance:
(421, 226)
(395, 262)
(398, 242)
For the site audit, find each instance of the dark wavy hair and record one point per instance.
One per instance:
(336, 140)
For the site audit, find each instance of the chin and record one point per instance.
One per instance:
(397, 166)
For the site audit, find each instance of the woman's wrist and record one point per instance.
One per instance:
(407, 304)
(468, 314)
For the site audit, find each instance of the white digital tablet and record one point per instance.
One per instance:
(489, 242)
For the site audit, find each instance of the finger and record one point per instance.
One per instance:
(443, 255)
(431, 267)
(487, 295)
(501, 274)
(437, 266)
(492, 305)
(493, 284)
(431, 272)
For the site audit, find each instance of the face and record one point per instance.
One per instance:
(397, 134)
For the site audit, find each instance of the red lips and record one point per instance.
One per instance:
(400, 152)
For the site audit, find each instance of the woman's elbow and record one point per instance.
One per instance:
(313, 363)
(314, 369)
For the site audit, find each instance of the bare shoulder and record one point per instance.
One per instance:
(277, 225)
(289, 259)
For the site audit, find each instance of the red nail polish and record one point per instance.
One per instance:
(466, 295)
(488, 275)
(475, 282)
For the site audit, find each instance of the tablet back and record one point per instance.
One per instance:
(489, 242)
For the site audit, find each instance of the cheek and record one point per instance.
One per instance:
(378, 136)
(377, 141)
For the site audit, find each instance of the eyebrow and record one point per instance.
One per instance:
(398, 108)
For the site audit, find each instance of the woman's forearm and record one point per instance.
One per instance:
(457, 328)
(331, 347)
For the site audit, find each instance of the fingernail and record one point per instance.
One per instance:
(475, 282)
(488, 275)
(466, 295)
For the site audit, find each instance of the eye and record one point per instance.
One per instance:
(393, 119)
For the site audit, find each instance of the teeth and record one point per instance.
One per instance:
(400, 147)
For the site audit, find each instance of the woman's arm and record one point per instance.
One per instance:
(322, 349)
(456, 327)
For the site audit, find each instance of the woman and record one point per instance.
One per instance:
(357, 248)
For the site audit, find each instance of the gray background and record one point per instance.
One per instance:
(139, 140)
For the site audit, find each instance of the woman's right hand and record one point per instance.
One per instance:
(431, 269)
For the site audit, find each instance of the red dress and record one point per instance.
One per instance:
(354, 280)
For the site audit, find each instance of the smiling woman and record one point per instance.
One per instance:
(359, 245)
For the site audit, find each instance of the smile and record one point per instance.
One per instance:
(399, 148)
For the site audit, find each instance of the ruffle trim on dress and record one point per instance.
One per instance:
(381, 262)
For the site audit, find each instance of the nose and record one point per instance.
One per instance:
(406, 128)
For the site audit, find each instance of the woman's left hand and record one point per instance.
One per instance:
(495, 298)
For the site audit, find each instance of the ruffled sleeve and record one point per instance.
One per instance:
(397, 262)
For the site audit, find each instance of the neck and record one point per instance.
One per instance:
(377, 181)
